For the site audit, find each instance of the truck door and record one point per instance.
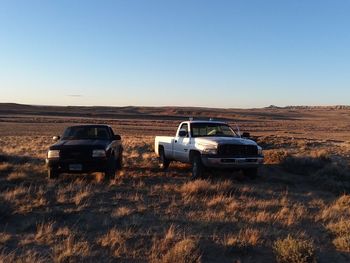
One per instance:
(181, 144)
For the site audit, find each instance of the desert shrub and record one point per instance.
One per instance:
(274, 157)
(342, 242)
(341, 232)
(304, 165)
(292, 250)
(334, 176)
(328, 173)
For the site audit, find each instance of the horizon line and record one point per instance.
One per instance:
(272, 106)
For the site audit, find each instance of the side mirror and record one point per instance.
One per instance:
(245, 135)
(56, 138)
(117, 137)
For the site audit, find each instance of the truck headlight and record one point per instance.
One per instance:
(98, 153)
(53, 154)
(260, 150)
(208, 149)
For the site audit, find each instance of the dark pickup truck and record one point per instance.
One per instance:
(83, 149)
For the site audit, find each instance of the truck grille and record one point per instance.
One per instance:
(72, 154)
(237, 150)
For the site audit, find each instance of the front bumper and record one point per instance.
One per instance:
(232, 162)
(78, 166)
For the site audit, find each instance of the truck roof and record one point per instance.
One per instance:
(204, 121)
(89, 125)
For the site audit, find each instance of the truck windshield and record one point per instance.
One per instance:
(211, 129)
(80, 132)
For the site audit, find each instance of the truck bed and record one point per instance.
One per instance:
(167, 142)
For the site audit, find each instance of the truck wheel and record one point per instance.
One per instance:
(197, 167)
(52, 173)
(111, 168)
(252, 173)
(163, 161)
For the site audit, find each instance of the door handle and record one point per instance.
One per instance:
(175, 141)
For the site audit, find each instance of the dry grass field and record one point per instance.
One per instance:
(298, 210)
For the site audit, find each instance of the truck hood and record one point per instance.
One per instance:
(96, 144)
(224, 140)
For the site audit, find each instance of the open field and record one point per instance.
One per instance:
(299, 207)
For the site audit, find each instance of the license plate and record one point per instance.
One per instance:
(75, 167)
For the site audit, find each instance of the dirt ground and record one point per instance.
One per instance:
(298, 207)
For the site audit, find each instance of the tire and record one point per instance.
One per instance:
(111, 169)
(252, 173)
(197, 167)
(52, 173)
(163, 161)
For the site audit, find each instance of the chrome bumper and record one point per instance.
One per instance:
(232, 162)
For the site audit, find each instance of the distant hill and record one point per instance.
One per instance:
(166, 113)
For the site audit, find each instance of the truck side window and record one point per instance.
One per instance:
(111, 131)
(184, 127)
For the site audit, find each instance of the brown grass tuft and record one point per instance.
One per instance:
(16, 175)
(115, 239)
(206, 188)
(71, 249)
(173, 248)
(45, 232)
(4, 237)
(122, 211)
(184, 251)
(246, 238)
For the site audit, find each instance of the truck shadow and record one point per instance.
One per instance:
(20, 159)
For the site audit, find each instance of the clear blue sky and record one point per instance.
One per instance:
(195, 53)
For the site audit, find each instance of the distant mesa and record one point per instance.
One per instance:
(304, 107)
(273, 107)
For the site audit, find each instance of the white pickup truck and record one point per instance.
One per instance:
(209, 144)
